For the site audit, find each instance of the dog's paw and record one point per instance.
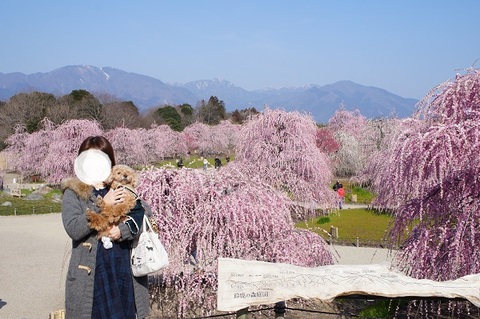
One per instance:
(99, 201)
(90, 214)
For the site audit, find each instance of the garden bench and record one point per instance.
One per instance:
(17, 192)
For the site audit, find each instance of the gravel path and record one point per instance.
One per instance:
(32, 268)
(33, 264)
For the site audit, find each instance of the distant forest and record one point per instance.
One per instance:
(29, 109)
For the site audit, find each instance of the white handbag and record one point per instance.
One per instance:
(148, 253)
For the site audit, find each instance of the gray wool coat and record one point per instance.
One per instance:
(77, 197)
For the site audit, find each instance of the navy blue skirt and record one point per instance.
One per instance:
(113, 287)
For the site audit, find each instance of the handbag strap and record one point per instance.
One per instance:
(146, 222)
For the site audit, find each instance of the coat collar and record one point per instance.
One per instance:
(81, 189)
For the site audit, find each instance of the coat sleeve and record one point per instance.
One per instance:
(132, 226)
(74, 216)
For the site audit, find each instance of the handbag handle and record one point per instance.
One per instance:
(146, 222)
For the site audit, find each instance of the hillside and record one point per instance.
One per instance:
(147, 92)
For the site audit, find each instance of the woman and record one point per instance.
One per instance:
(99, 282)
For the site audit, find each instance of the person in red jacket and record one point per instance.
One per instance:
(341, 195)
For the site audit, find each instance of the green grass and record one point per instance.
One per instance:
(193, 161)
(368, 226)
(382, 308)
(21, 206)
(364, 196)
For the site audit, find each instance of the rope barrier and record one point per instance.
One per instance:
(231, 313)
(326, 312)
(215, 316)
(342, 314)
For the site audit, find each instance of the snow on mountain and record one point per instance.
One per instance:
(147, 92)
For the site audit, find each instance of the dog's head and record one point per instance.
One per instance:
(122, 175)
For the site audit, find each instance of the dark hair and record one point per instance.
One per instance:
(99, 143)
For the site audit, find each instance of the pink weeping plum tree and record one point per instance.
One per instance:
(154, 142)
(224, 137)
(211, 140)
(51, 151)
(432, 184)
(241, 210)
(139, 147)
(15, 145)
(351, 122)
(441, 141)
(27, 150)
(193, 136)
(202, 216)
(37, 149)
(161, 142)
(444, 178)
(280, 148)
(128, 145)
(66, 140)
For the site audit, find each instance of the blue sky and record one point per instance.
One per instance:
(406, 47)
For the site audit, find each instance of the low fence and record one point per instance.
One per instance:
(279, 310)
(335, 239)
(27, 186)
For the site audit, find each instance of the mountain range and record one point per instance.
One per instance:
(147, 92)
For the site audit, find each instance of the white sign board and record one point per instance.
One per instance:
(243, 283)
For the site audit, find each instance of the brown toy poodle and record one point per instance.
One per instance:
(121, 176)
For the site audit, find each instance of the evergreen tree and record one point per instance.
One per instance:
(171, 117)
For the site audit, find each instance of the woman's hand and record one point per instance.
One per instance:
(114, 233)
(114, 196)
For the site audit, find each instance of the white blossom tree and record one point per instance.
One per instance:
(354, 135)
